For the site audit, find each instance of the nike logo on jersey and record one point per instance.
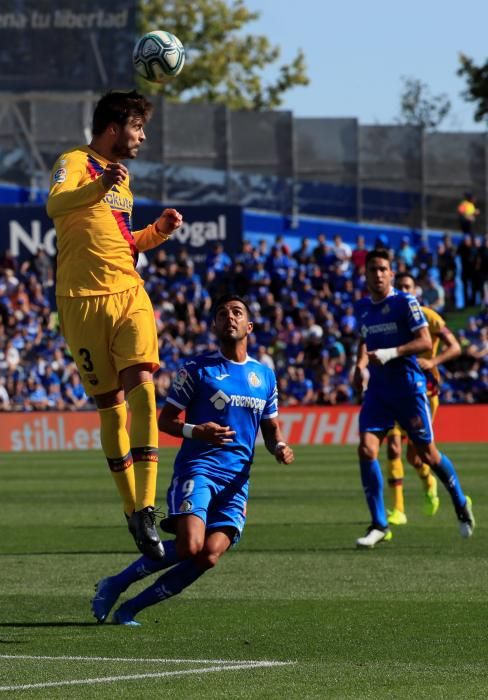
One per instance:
(222, 376)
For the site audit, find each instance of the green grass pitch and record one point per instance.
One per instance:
(294, 611)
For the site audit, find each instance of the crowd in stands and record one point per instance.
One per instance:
(303, 311)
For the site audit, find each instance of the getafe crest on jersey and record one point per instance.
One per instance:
(253, 379)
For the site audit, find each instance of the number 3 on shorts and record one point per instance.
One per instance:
(87, 364)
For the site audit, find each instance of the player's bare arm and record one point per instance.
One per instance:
(359, 378)
(421, 343)
(170, 423)
(273, 439)
(450, 350)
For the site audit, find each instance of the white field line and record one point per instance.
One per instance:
(125, 658)
(144, 676)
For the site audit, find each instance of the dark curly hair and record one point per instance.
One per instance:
(119, 107)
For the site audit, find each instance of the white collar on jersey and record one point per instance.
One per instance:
(233, 362)
(391, 293)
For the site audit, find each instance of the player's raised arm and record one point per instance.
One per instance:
(66, 193)
(158, 232)
(168, 222)
(169, 422)
(273, 439)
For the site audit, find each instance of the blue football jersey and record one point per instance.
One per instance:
(210, 387)
(387, 324)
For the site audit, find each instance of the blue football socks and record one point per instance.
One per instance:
(144, 566)
(372, 480)
(168, 585)
(447, 474)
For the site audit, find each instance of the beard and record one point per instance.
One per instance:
(122, 151)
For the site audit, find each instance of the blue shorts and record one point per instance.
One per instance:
(379, 414)
(219, 503)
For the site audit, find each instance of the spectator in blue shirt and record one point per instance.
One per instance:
(260, 276)
(38, 396)
(301, 388)
(336, 350)
(246, 256)
(20, 396)
(406, 253)
(218, 260)
(279, 262)
(433, 295)
(423, 257)
(294, 350)
(348, 322)
(74, 392)
(55, 401)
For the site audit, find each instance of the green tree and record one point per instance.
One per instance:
(223, 63)
(477, 85)
(418, 107)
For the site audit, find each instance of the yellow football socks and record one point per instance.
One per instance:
(395, 482)
(144, 440)
(428, 479)
(116, 446)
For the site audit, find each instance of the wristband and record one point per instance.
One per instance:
(188, 430)
(279, 444)
(384, 355)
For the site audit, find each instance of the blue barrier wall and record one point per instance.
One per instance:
(264, 225)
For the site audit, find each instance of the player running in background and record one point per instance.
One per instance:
(429, 362)
(105, 313)
(227, 397)
(393, 331)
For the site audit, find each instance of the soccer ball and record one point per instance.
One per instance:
(158, 55)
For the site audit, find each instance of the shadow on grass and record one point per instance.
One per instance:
(98, 527)
(49, 624)
(130, 553)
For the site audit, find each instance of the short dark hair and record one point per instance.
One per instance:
(400, 275)
(221, 301)
(377, 253)
(119, 106)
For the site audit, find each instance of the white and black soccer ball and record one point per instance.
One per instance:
(158, 55)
